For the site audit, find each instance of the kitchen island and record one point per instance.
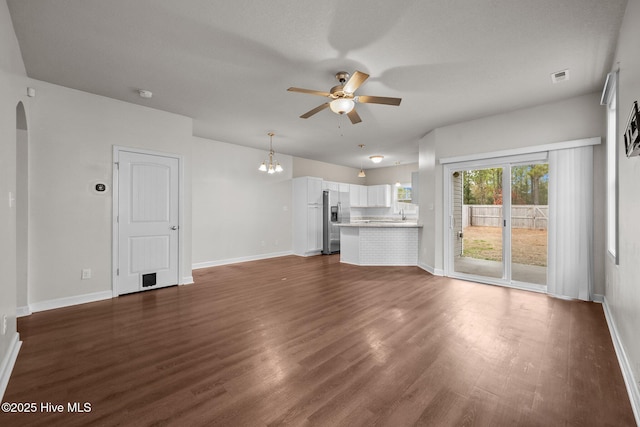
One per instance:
(379, 243)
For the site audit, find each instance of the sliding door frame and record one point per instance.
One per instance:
(499, 162)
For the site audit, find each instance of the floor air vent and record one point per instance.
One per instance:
(148, 280)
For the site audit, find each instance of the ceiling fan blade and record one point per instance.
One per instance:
(309, 91)
(314, 111)
(355, 81)
(378, 100)
(354, 117)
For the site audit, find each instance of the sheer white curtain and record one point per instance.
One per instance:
(570, 269)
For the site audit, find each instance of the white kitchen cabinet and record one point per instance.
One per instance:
(379, 195)
(314, 189)
(329, 185)
(314, 230)
(307, 216)
(358, 195)
(343, 188)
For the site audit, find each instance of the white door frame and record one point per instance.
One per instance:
(115, 204)
(505, 163)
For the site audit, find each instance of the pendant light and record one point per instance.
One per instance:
(361, 174)
(270, 168)
(398, 175)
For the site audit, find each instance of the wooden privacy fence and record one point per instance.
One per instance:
(522, 216)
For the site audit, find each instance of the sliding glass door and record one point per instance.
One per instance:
(498, 223)
(529, 220)
(478, 222)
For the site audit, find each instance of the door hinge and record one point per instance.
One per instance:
(117, 165)
(505, 222)
(117, 271)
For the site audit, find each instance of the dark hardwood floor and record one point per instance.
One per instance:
(309, 341)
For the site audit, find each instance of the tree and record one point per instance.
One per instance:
(529, 185)
(537, 173)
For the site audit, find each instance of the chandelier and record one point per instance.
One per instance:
(271, 168)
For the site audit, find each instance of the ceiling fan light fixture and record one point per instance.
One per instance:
(342, 105)
(376, 159)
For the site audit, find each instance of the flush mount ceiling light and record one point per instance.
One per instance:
(271, 168)
(376, 159)
(145, 93)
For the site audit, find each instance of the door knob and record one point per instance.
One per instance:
(174, 227)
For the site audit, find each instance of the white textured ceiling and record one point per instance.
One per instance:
(228, 63)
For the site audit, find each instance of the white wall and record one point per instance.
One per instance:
(22, 217)
(391, 174)
(575, 118)
(72, 134)
(13, 84)
(326, 171)
(623, 281)
(430, 188)
(239, 213)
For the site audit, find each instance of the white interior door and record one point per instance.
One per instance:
(147, 221)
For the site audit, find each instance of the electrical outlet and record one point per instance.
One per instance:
(4, 324)
(263, 243)
(86, 273)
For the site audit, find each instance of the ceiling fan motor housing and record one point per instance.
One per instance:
(338, 92)
(342, 76)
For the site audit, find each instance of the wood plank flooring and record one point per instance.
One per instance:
(309, 341)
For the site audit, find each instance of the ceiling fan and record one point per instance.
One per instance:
(342, 96)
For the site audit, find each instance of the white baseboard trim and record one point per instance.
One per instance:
(598, 298)
(69, 301)
(429, 269)
(227, 261)
(187, 280)
(23, 311)
(8, 362)
(623, 360)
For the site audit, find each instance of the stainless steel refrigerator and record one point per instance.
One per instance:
(335, 210)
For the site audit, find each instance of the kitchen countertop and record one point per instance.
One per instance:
(382, 224)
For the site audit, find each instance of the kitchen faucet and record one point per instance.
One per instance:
(402, 215)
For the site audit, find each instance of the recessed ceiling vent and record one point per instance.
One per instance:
(560, 76)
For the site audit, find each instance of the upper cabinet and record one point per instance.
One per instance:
(361, 196)
(379, 196)
(335, 186)
(314, 190)
(358, 196)
(329, 185)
